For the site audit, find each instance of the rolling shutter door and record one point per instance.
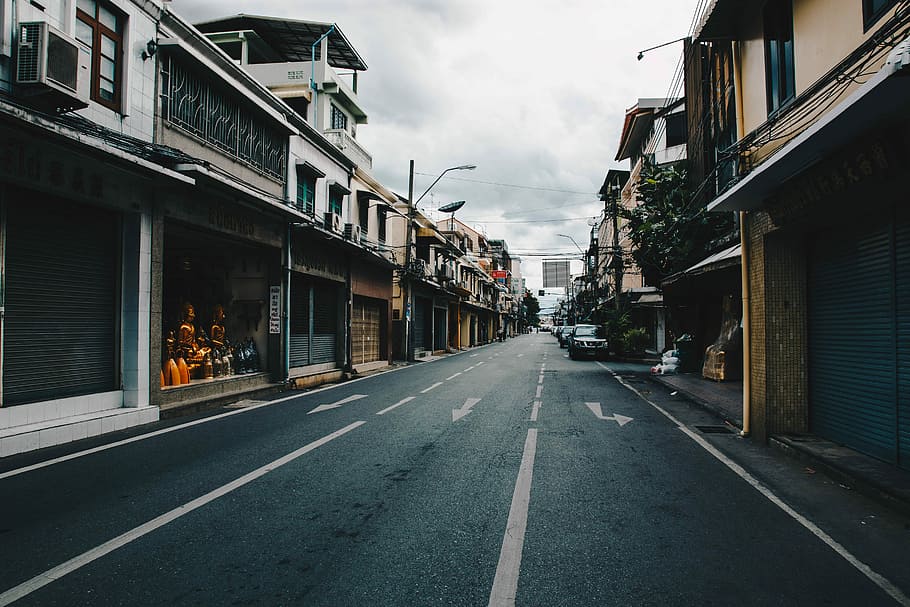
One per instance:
(439, 328)
(299, 339)
(325, 323)
(852, 386)
(421, 305)
(60, 328)
(365, 328)
(902, 256)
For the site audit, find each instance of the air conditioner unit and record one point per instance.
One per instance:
(352, 231)
(332, 222)
(47, 67)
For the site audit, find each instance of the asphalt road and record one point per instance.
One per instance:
(504, 475)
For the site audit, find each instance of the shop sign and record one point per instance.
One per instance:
(832, 177)
(315, 262)
(274, 310)
(65, 173)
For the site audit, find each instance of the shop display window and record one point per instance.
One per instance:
(214, 316)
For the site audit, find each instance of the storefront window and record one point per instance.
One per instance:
(214, 321)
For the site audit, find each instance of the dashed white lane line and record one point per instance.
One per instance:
(540, 379)
(396, 405)
(478, 364)
(436, 385)
(51, 575)
(453, 376)
(468, 369)
(862, 567)
(505, 584)
(539, 391)
(535, 411)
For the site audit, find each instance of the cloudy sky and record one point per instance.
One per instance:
(532, 92)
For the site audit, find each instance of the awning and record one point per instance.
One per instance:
(884, 98)
(718, 261)
(312, 169)
(340, 187)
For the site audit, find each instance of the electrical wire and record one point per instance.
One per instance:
(512, 185)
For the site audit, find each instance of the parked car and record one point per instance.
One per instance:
(588, 341)
(563, 335)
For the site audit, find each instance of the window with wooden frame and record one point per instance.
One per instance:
(100, 28)
(335, 198)
(779, 68)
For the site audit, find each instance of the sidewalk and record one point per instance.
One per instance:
(871, 477)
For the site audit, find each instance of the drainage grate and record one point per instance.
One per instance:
(714, 429)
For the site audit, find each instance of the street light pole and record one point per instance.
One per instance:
(407, 291)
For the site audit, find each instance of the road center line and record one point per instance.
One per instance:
(860, 566)
(453, 376)
(468, 369)
(51, 575)
(535, 411)
(540, 379)
(436, 385)
(396, 405)
(539, 390)
(505, 584)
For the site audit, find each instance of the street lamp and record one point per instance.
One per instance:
(405, 280)
(573, 242)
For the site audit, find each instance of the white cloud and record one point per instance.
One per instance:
(533, 93)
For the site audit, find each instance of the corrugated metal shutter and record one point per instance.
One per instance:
(299, 339)
(325, 323)
(365, 328)
(902, 257)
(419, 324)
(439, 328)
(60, 329)
(852, 384)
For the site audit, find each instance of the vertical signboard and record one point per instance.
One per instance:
(274, 310)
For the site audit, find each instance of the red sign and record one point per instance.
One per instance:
(500, 274)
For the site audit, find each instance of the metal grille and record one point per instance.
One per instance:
(29, 50)
(199, 108)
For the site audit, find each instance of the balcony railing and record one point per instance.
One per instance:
(347, 144)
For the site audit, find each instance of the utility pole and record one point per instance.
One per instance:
(617, 253)
(405, 274)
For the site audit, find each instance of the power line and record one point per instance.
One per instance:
(513, 185)
(528, 220)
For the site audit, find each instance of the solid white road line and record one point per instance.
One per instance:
(436, 385)
(876, 578)
(453, 376)
(204, 420)
(43, 579)
(396, 405)
(505, 584)
(535, 411)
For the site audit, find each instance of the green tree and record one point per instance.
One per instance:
(531, 310)
(667, 229)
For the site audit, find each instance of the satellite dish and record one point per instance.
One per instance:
(451, 207)
(592, 222)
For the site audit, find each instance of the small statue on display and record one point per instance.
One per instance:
(186, 334)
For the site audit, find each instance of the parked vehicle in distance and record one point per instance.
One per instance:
(587, 341)
(563, 335)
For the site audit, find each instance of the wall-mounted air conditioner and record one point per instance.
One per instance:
(352, 231)
(47, 67)
(332, 222)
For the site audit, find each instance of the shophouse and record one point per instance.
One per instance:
(79, 182)
(654, 135)
(473, 312)
(341, 268)
(817, 166)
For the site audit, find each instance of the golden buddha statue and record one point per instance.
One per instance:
(217, 332)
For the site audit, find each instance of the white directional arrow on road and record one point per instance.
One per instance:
(457, 414)
(335, 405)
(622, 420)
